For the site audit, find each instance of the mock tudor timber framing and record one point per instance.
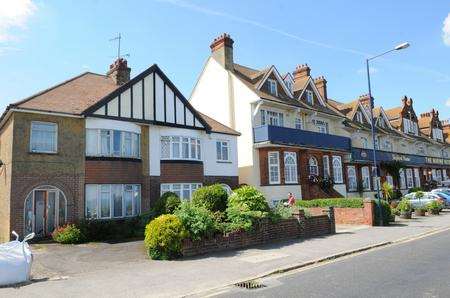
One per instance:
(103, 108)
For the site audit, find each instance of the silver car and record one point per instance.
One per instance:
(443, 193)
(421, 201)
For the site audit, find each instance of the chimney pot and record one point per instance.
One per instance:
(119, 71)
(222, 50)
(301, 71)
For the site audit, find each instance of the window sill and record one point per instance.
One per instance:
(189, 161)
(111, 158)
(43, 153)
(224, 161)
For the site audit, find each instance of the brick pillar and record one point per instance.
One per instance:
(332, 221)
(369, 212)
(300, 216)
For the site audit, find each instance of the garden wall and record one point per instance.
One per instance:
(265, 232)
(351, 216)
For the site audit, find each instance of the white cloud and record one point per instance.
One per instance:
(448, 103)
(14, 14)
(372, 70)
(446, 30)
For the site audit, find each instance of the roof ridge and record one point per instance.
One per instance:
(204, 115)
(52, 87)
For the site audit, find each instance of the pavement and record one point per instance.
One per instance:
(420, 268)
(123, 269)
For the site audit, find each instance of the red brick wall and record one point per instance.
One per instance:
(265, 232)
(352, 216)
(113, 171)
(179, 172)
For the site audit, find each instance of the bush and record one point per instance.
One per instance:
(213, 197)
(280, 211)
(245, 206)
(434, 207)
(164, 236)
(197, 220)
(404, 206)
(68, 234)
(415, 189)
(166, 204)
(339, 203)
(387, 212)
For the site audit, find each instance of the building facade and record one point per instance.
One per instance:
(296, 139)
(106, 147)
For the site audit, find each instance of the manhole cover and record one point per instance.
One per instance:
(250, 285)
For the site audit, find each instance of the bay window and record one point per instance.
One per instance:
(112, 143)
(272, 118)
(351, 177)
(182, 190)
(290, 167)
(105, 201)
(175, 147)
(43, 137)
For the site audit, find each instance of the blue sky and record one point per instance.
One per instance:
(45, 42)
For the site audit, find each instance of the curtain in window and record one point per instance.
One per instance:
(290, 167)
(337, 169)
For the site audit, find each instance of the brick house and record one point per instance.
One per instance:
(291, 135)
(105, 147)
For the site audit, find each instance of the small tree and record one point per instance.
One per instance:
(393, 169)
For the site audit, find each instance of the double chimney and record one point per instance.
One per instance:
(119, 71)
(222, 51)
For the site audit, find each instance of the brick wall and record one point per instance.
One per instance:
(264, 232)
(181, 171)
(113, 171)
(351, 216)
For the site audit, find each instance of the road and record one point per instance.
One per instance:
(419, 268)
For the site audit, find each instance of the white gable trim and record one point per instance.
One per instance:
(361, 107)
(279, 79)
(385, 117)
(310, 82)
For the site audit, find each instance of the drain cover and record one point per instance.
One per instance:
(250, 285)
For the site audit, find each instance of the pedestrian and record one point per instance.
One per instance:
(291, 199)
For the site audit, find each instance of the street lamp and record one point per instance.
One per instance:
(372, 105)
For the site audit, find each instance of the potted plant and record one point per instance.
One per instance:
(388, 191)
(420, 211)
(434, 207)
(405, 208)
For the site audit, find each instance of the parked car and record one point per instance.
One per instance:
(421, 201)
(444, 193)
(446, 183)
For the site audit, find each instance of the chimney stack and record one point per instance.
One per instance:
(365, 101)
(301, 71)
(222, 50)
(119, 71)
(321, 84)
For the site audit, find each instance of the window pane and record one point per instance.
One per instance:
(105, 202)
(62, 210)
(43, 137)
(193, 148)
(219, 150)
(116, 191)
(185, 148)
(91, 142)
(137, 199)
(127, 151)
(199, 155)
(176, 147)
(29, 214)
(176, 188)
(186, 191)
(136, 145)
(165, 147)
(117, 143)
(105, 137)
(224, 151)
(91, 201)
(128, 200)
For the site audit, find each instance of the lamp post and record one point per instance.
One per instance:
(372, 105)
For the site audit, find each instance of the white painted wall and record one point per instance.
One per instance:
(208, 147)
(280, 192)
(98, 123)
(341, 188)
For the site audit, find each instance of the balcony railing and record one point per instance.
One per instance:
(302, 138)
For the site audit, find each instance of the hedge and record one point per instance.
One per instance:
(338, 202)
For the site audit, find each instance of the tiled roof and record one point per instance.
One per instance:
(424, 122)
(218, 127)
(72, 96)
(393, 113)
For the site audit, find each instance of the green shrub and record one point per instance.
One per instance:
(404, 206)
(212, 197)
(280, 211)
(245, 206)
(197, 220)
(166, 204)
(68, 234)
(387, 190)
(339, 203)
(164, 236)
(415, 189)
(387, 212)
(434, 207)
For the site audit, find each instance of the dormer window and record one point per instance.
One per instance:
(359, 117)
(437, 134)
(309, 97)
(410, 127)
(272, 87)
(289, 85)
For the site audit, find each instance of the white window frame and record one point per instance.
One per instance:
(359, 117)
(136, 201)
(401, 173)
(416, 177)
(337, 170)
(223, 144)
(375, 179)
(365, 177)
(352, 178)
(298, 123)
(313, 166)
(175, 187)
(322, 126)
(55, 145)
(390, 180)
(409, 178)
(326, 166)
(290, 170)
(273, 87)
(135, 139)
(192, 141)
(309, 97)
(273, 167)
(437, 134)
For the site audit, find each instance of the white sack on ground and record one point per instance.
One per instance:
(15, 261)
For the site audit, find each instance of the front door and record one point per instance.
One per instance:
(40, 212)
